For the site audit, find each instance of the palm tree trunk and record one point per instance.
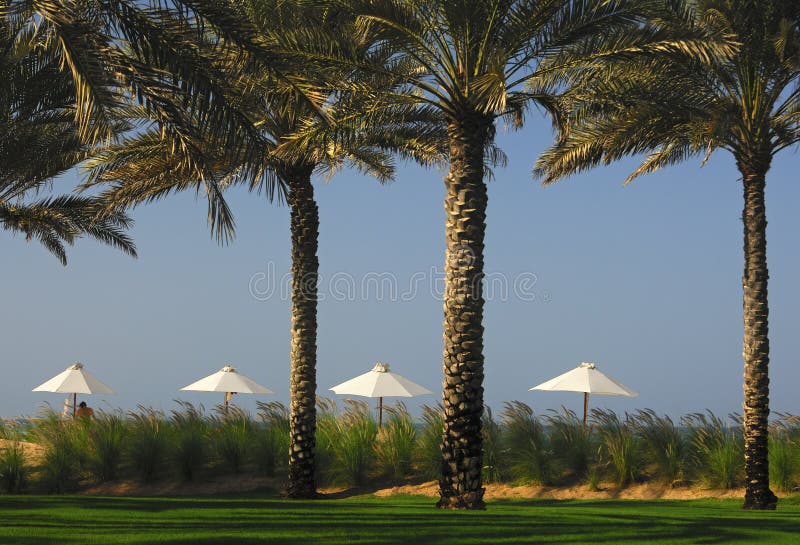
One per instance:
(460, 485)
(305, 267)
(756, 339)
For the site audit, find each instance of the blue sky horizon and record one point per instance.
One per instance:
(645, 280)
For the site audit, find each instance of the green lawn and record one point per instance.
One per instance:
(47, 520)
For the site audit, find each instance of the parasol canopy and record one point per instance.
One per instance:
(588, 379)
(227, 380)
(74, 380)
(380, 382)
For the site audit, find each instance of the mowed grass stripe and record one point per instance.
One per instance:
(41, 520)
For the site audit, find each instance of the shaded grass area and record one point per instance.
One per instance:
(40, 520)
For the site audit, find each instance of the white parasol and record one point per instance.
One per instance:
(588, 379)
(230, 381)
(74, 380)
(380, 382)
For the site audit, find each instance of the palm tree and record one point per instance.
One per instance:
(475, 61)
(38, 142)
(301, 139)
(672, 109)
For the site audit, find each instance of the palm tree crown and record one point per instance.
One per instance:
(672, 108)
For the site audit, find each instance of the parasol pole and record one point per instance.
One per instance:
(380, 412)
(585, 407)
(74, 403)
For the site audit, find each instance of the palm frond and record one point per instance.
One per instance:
(683, 99)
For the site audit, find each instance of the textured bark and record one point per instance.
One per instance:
(756, 338)
(305, 267)
(460, 485)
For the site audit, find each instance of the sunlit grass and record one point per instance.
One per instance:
(397, 520)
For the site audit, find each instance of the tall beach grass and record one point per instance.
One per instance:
(665, 446)
(620, 448)
(232, 437)
(396, 442)
(528, 446)
(784, 452)
(429, 442)
(494, 455)
(717, 450)
(149, 442)
(271, 438)
(354, 442)
(520, 447)
(13, 466)
(190, 439)
(63, 442)
(104, 437)
(571, 443)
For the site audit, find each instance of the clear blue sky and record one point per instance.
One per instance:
(645, 280)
